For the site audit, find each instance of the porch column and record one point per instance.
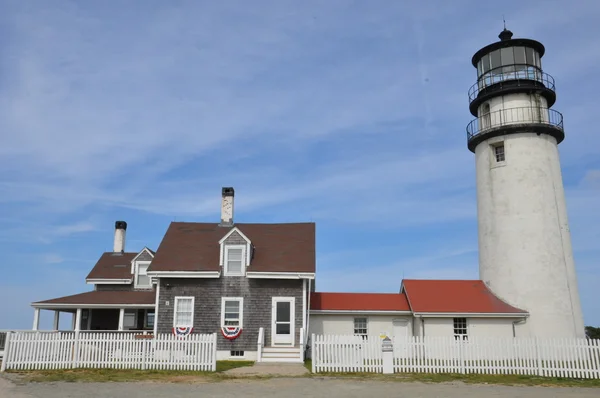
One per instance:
(78, 320)
(121, 318)
(56, 319)
(73, 321)
(36, 319)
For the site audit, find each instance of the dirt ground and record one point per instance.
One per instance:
(283, 387)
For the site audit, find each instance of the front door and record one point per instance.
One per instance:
(282, 329)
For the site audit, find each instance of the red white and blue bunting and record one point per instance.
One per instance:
(182, 331)
(231, 332)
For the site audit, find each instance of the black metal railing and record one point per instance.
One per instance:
(514, 116)
(521, 74)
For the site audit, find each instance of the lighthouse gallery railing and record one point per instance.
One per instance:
(514, 116)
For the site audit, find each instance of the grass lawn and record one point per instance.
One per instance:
(178, 376)
(511, 380)
(123, 375)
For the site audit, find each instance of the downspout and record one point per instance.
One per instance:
(422, 327)
(517, 322)
(306, 334)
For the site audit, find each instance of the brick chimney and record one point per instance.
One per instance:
(227, 206)
(120, 228)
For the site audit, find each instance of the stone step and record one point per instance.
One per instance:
(281, 355)
(281, 349)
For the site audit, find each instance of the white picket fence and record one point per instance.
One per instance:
(572, 358)
(67, 350)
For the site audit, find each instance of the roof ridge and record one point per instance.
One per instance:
(245, 223)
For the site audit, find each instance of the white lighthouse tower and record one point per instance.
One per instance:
(525, 253)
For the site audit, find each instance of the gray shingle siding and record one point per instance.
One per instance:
(235, 239)
(145, 256)
(257, 294)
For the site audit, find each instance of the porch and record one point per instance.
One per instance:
(101, 311)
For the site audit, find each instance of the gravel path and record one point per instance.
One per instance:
(285, 388)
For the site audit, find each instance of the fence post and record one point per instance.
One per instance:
(144, 352)
(76, 353)
(312, 353)
(388, 356)
(214, 349)
(461, 355)
(6, 351)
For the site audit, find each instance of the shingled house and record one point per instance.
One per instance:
(235, 279)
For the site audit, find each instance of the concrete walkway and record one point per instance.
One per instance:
(270, 369)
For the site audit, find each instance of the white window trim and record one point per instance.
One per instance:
(177, 298)
(238, 299)
(223, 246)
(145, 249)
(225, 268)
(137, 264)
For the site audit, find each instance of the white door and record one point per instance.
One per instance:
(400, 333)
(282, 328)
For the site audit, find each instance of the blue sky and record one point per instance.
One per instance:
(351, 114)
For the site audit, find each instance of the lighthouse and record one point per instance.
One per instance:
(525, 251)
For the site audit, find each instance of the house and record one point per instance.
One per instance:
(254, 285)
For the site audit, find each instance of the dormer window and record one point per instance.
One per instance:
(234, 259)
(142, 280)
(236, 250)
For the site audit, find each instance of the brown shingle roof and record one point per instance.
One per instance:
(112, 266)
(106, 297)
(190, 246)
(455, 296)
(358, 302)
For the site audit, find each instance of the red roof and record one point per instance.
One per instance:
(454, 296)
(103, 297)
(359, 301)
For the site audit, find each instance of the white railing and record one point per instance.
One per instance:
(260, 344)
(66, 350)
(302, 344)
(574, 358)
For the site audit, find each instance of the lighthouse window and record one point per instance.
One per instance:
(532, 57)
(508, 59)
(496, 61)
(499, 152)
(519, 55)
(485, 63)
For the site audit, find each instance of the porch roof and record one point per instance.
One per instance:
(102, 299)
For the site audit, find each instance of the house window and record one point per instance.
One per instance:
(360, 327)
(129, 319)
(460, 329)
(234, 260)
(236, 353)
(183, 312)
(232, 311)
(149, 319)
(499, 152)
(142, 279)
